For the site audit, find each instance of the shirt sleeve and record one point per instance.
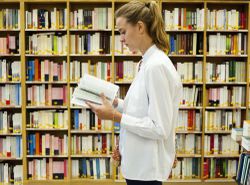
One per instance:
(159, 122)
(120, 105)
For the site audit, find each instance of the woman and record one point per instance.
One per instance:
(150, 109)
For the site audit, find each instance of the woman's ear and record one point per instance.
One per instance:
(141, 27)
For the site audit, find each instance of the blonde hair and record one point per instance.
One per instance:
(149, 13)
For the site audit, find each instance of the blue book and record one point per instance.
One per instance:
(240, 166)
(84, 167)
(98, 175)
(76, 119)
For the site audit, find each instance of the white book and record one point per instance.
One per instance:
(90, 88)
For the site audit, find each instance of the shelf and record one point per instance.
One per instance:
(220, 180)
(10, 159)
(9, 107)
(192, 83)
(222, 156)
(218, 132)
(32, 55)
(46, 129)
(226, 83)
(188, 155)
(10, 134)
(123, 82)
(10, 82)
(78, 107)
(90, 30)
(45, 30)
(228, 108)
(187, 132)
(191, 56)
(191, 31)
(9, 30)
(183, 107)
(47, 156)
(90, 132)
(91, 155)
(82, 180)
(227, 31)
(183, 180)
(9, 55)
(128, 55)
(90, 55)
(240, 56)
(46, 107)
(39, 82)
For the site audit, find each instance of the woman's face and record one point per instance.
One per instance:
(129, 33)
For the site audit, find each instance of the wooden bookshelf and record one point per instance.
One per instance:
(113, 58)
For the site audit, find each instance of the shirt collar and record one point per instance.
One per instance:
(148, 53)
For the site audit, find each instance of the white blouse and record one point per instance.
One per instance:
(149, 116)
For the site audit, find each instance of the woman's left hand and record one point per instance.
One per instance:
(104, 111)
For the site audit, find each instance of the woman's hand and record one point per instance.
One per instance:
(115, 102)
(104, 111)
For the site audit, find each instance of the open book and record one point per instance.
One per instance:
(89, 89)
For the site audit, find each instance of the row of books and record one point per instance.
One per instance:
(222, 119)
(228, 71)
(46, 19)
(48, 119)
(190, 71)
(46, 70)
(192, 96)
(10, 122)
(125, 70)
(219, 168)
(185, 43)
(92, 168)
(91, 144)
(99, 69)
(243, 172)
(96, 18)
(9, 44)
(47, 144)
(85, 119)
(11, 146)
(226, 96)
(11, 173)
(223, 19)
(188, 144)
(10, 95)
(183, 19)
(189, 120)
(46, 44)
(9, 18)
(96, 43)
(220, 144)
(187, 168)
(10, 70)
(47, 169)
(41, 95)
(227, 44)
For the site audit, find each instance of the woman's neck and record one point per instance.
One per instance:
(145, 45)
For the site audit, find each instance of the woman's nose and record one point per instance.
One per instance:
(122, 38)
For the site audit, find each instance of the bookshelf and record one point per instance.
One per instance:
(116, 64)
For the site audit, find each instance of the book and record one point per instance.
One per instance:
(89, 89)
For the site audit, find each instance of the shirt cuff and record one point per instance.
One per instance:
(120, 105)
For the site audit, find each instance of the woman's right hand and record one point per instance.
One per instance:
(115, 102)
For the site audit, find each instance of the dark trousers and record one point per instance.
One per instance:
(136, 182)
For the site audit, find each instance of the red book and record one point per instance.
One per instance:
(104, 144)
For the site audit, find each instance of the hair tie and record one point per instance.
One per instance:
(147, 4)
